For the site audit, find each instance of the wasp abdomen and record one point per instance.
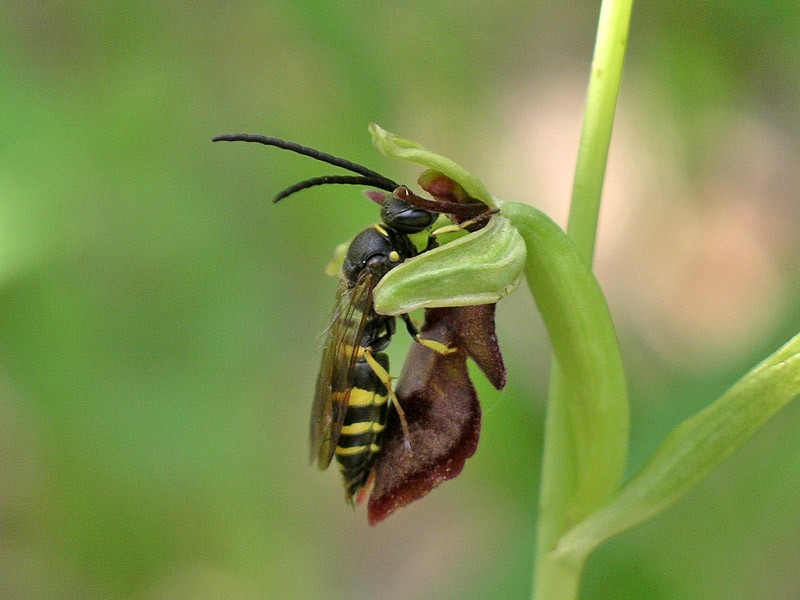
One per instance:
(364, 420)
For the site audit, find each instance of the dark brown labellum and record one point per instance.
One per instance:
(441, 408)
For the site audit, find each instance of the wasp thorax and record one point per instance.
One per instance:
(377, 249)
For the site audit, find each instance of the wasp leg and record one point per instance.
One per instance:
(432, 242)
(439, 347)
(412, 325)
(386, 380)
(458, 227)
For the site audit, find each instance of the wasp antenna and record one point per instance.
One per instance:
(304, 150)
(458, 209)
(377, 182)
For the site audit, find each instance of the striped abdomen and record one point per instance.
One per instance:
(364, 420)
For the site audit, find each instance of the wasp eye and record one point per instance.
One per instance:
(403, 217)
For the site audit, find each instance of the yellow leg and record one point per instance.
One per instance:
(458, 227)
(434, 345)
(386, 380)
(446, 229)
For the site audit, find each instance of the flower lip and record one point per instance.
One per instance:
(440, 405)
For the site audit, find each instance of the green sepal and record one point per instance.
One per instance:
(394, 146)
(334, 268)
(588, 408)
(479, 268)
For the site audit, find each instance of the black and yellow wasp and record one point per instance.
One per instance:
(353, 389)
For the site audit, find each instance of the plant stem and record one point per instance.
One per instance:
(598, 120)
(561, 504)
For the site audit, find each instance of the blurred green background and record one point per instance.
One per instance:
(160, 320)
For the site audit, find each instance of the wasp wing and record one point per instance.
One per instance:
(351, 311)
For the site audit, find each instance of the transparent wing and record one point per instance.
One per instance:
(351, 311)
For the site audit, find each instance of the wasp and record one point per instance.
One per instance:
(354, 392)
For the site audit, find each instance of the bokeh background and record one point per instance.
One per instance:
(160, 320)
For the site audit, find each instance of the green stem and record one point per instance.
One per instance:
(564, 500)
(598, 120)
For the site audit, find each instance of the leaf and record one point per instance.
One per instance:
(693, 450)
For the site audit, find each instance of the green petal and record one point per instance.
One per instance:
(479, 268)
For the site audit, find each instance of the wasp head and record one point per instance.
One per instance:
(404, 217)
